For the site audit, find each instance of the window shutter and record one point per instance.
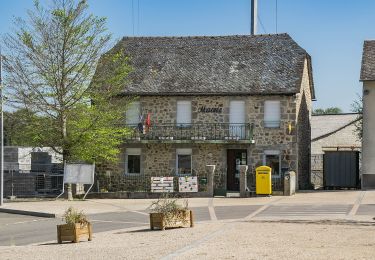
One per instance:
(133, 113)
(272, 113)
(237, 112)
(183, 112)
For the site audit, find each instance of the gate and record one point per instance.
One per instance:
(341, 169)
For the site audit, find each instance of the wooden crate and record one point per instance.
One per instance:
(157, 220)
(73, 232)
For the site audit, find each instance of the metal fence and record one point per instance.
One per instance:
(195, 132)
(112, 181)
(46, 180)
(277, 181)
(32, 180)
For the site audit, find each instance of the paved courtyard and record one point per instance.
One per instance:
(311, 225)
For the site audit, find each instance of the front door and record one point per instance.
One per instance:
(235, 158)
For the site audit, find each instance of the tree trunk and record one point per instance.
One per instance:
(65, 155)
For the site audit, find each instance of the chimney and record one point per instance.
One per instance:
(254, 16)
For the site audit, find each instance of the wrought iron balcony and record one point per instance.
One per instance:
(198, 133)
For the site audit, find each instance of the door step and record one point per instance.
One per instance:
(233, 194)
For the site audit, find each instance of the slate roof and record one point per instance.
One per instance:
(368, 61)
(217, 65)
(324, 125)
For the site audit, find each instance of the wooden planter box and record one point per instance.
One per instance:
(183, 219)
(73, 232)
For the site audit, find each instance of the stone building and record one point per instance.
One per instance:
(368, 140)
(331, 132)
(223, 101)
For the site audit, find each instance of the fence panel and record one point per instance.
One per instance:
(32, 180)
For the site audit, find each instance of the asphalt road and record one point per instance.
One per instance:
(24, 230)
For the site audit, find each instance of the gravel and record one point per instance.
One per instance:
(217, 240)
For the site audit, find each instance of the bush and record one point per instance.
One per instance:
(72, 216)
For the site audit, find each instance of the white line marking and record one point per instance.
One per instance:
(198, 243)
(211, 209)
(119, 222)
(357, 203)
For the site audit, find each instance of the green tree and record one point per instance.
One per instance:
(357, 107)
(330, 110)
(50, 61)
(17, 129)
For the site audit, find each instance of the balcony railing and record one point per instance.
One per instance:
(192, 132)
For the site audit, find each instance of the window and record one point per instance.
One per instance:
(183, 161)
(183, 113)
(237, 119)
(133, 160)
(271, 158)
(272, 114)
(133, 113)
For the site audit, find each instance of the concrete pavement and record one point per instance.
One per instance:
(118, 214)
(94, 206)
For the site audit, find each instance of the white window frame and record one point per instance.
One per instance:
(183, 124)
(273, 152)
(184, 151)
(133, 105)
(133, 151)
(272, 123)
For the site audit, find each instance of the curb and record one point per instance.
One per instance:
(28, 213)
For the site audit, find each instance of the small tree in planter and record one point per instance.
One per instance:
(167, 213)
(77, 225)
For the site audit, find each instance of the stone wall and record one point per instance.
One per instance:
(303, 126)
(160, 159)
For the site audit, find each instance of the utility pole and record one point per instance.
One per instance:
(254, 16)
(1, 136)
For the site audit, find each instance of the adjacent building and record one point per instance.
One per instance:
(368, 141)
(332, 133)
(224, 100)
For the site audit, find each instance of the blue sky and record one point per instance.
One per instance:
(332, 31)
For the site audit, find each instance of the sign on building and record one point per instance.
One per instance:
(161, 184)
(188, 184)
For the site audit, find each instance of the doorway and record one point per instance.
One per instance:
(235, 158)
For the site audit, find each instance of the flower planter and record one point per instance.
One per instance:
(73, 232)
(182, 218)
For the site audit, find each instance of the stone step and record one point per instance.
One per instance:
(233, 194)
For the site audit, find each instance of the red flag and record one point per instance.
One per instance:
(148, 120)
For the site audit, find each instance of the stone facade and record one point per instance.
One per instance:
(303, 127)
(292, 138)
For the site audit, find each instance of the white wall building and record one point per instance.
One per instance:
(368, 141)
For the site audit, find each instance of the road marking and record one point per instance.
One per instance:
(304, 210)
(211, 209)
(139, 212)
(198, 242)
(25, 222)
(261, 209)
(118, 222)
(264, 207)
(357, 203)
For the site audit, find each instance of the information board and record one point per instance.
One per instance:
(79, 173)
(188, 184)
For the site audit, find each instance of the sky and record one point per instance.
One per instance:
(331, 31)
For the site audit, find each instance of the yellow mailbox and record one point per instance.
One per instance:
(263, 180)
